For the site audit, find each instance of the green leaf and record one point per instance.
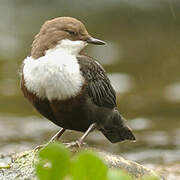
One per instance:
(88, 166)
(118, 175)
(54, 163)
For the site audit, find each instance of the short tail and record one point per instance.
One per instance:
(115, 129)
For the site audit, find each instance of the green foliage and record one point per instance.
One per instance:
(118, 175)
(88, 166)
(56, 163)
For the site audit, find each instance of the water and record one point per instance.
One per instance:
(141, 58)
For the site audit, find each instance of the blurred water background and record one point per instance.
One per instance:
(142, 58)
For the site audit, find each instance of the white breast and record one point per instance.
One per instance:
(54, 76)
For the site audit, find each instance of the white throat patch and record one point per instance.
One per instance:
(57, 74)
(68, 46)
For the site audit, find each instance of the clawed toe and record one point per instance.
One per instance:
(74, 144)
(39, 147)
(77, 144)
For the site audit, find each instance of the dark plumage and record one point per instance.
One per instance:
(102, 94)
(95, 105)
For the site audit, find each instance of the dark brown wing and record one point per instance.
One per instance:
(99, 86)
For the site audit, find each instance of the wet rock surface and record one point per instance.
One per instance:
(22, 165)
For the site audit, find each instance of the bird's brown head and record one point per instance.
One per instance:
(67, 31)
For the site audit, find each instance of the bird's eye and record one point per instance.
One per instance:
(71, 32)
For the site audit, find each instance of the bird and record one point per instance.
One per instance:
(68, 87)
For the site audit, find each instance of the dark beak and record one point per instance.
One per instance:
(92, 40)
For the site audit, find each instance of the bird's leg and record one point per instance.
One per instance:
(91, 128)
(79, 142)
(55, 137)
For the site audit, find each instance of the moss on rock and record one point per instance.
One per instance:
(21, 166)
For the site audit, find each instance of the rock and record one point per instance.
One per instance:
(21, 165)
(169, 170)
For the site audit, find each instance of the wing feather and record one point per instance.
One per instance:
(99, 87)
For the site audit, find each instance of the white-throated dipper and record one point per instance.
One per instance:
(71, 89)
